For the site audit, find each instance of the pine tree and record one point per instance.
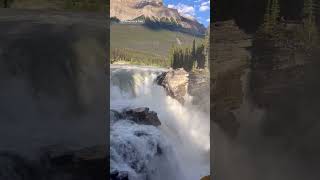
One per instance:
(266, 24)
(194, 48)
(275, 12)
(271, 16)
(200, 57)
(309, 21)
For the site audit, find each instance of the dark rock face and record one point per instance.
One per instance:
(285, 83)
(268, 104)
(175, 83)
(142, 116)
(115, 115)
(229, 60)
(116, 175)
(56, 162)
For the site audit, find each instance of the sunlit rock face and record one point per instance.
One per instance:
(130, 9)
(155, 10)
(175, 83)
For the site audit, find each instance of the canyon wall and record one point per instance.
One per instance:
(264, 106)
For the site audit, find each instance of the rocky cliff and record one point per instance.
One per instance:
(264, 104)
(229, 62)
(155, 11)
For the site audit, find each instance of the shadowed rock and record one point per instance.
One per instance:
(142, 115)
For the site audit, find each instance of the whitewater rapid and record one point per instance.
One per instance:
(178, 149)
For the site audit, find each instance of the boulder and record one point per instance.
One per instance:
(115, 115)
(175, 83)
(116, 175)
(142, 115)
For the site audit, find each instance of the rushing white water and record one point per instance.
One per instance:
(178, 149)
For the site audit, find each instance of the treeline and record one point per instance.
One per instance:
(130, 56)
(91, 5)
(167, 23)
(306, 32)
(188, 58)
(87, 5)
(5, 3)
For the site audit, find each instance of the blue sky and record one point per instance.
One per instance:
(199, 9)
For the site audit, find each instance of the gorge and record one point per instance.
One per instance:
(177, 149)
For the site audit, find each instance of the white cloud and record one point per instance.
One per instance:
(205, 3)
(170, 6)
(204, 8)
(208, 20)
(184, 10)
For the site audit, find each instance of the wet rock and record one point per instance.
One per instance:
(116, 175)
(142, 115)
(175, 83)
(115, 115)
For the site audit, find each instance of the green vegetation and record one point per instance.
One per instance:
(75, 5)
(89, 5)
(271, 17)
(5, 3)
(137, 44)
(310, 30)
(303, 34)
(167, 23)
(131, 56)
(184, 57)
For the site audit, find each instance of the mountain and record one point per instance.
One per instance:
(155, 12)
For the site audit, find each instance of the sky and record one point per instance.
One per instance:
(198, 9)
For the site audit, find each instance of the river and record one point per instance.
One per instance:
(178, 149)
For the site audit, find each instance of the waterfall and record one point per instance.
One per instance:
(178, 149)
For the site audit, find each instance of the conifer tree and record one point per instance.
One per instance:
(272, 15)
(207, 46)
(194, 48)
(275, 12)
(266, 23)
(309, 22)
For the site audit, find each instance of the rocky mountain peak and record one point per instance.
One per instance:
(125, 10)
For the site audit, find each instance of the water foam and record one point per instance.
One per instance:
(183, 138)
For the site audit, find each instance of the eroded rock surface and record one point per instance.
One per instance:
(175, 83)
(141, 115)
(230, 59)
(153, 9)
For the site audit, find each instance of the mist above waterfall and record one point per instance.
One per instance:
(178, 149)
